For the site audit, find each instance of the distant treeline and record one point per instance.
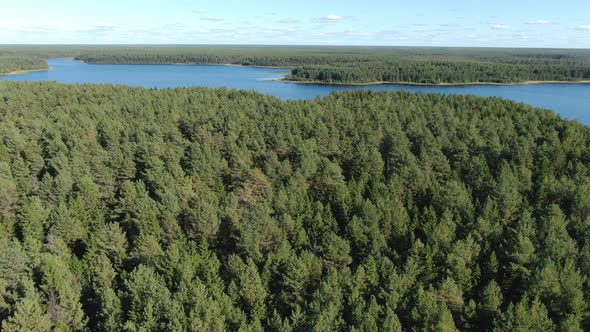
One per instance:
(9, 64)
(351, 64)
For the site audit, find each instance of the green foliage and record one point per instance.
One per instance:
(508, 68)
(526, 316)
(13, 64)
(128, 209)
(29, 316)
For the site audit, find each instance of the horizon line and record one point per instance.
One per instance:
(293, 45)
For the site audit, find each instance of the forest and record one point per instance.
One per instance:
(193, 209)
(12, 64)
(349, 65)
(440, 72)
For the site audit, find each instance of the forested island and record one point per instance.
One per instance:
(193, 209)
(352, 65)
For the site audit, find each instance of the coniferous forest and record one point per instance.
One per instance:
(192, 209)
(11, 64)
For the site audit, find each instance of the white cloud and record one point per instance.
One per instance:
(212, 19)
(333, 17)
(500, 27)
(199, 11)
(583, 27)
(538, 22)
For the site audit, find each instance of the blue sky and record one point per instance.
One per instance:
(499, 23)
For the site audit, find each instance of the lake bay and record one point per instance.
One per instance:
(571, 101)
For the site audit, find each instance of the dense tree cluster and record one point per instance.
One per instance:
(128, 209)
(437, 72)
(9, 64)
(209, 57)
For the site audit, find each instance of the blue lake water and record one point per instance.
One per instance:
(571, 101)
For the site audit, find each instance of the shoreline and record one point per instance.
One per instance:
(286, 80)
(248, 66)
(20, 72)
(183, 64)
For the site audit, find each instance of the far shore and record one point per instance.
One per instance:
(287, 80)
(187, 64)
(19, 72)
(429, 84)
(252, 66)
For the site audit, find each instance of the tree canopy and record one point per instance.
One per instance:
(191, 209)
(11, 64)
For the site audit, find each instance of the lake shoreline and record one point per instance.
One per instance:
(349, 84)
(20, 72)
(286, 80)
(183, 64)
(248, 66)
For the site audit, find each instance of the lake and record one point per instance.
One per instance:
(571, 101)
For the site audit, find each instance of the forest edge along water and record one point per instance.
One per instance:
(568, 99)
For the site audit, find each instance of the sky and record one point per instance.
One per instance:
(498, 23)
